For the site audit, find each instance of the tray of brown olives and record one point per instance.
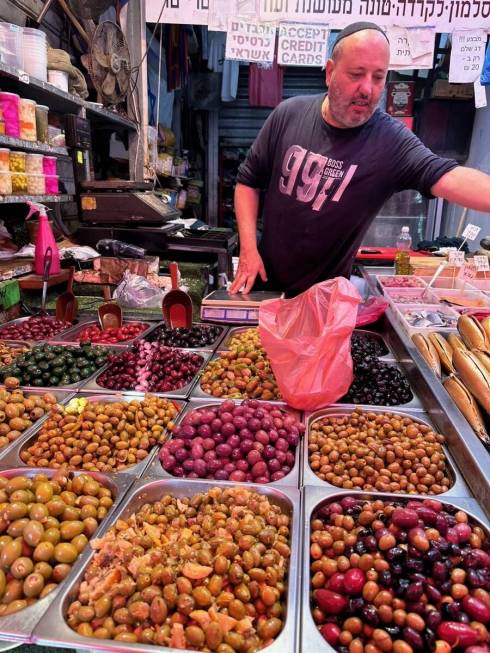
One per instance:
(48, 518)
(378, 450)
(390, 573)
(209, 564)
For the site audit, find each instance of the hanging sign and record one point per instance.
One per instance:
(179, 12)
(411, 49)
(250, 41)
(467, 55)
(219, 13)
(444, 15)
(302, 44)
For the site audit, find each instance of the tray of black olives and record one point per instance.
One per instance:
(199, 336)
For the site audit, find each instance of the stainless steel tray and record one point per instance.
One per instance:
(458, 489)
(53, 630)
(373, 335)
(313, 498)
(72, 335)
(155, 469)
(232, 333)
(62, 397)
(182, 393)
(213, 346)
(19, 320)
(19, 626)
(13, 459)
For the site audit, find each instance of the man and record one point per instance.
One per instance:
(328, 164)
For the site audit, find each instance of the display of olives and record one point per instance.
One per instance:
(44, 526)
(378, 451)
(102, 436)
(402, 576)
(364, 345)
(377, 383)
(56, 365)
(199, 336)
(19, 411)
(9, 351)
(205, 573)
(37, 327)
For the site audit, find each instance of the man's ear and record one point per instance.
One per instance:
(329, 70)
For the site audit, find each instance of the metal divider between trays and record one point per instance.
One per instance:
(155, 469)
(136, 471)
(459, 487)
(53, 629)
(315, 497)
(19, 626)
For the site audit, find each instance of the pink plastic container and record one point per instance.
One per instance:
(9, 107)
(49, 165)
(52, 186)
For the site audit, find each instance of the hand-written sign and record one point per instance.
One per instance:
(481, 262)
(403, 44)
(180, 12)
(248, 41)
(444, 15)
(471, 231)
(467, 55)
(456, 258)
(302, 44)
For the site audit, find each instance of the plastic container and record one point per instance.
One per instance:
(36, 185)
(52, 184)
(9, 107)
(400, 281)
(405, 314)
(17, 161)
(34, 164)
(4, 159)
(42, 122)
(27, 110)
(19, 183)
(410, 296)
(5, 183)
(58, 78)
(35, 48)
(11, 45)
(49, 165)
(461, 300)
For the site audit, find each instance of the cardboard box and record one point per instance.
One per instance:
(114, 268)
(443, 89)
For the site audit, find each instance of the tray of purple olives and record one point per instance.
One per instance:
(242, 441)
(200, 336)
(391, 573)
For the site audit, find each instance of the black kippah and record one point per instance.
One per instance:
(358, 27)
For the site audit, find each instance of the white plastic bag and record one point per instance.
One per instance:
(135, 291)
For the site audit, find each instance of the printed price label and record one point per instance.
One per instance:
(469, 272)
(471, 231)
(456, 258)
(481, 262)
(23, 77)
(14, 28)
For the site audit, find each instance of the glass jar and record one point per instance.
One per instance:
(49, 165)
(4, 159)
(34, 164)
(17, 161)
(52, 185)
(5, 183)
(27, 119)
(36, 185)
(19, 183)
(42, 123)
(9, 107)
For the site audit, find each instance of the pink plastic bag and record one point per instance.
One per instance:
(371, 310)
(307, 340)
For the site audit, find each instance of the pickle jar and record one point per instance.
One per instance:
(52, 184)
(36, 185)
(17, 161)
(19, 183)
(4, 159)
(34, 164)
(5, 182)
(42, 123)
(27, 112)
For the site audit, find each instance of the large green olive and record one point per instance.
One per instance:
(39, 512)
(43, 492)
(60, 572)
(18, 483)
(22, 496)
(9, 553)
(33, 585)
(70, 529)
(3, 582)
(56, 506)
(65, 552)
(44, 568)
(21, 567)
(13, 591)
(43, 552)
(80, 542)
(33, 533)
(15, 606)
(52, 535)
(16, 528)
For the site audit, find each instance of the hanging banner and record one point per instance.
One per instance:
(467, 55)
(179, 12)
(247, 41)
(302, 44)
(219, 13)
(443, 15)
(402, 42)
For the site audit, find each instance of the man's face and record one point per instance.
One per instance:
(356, 77)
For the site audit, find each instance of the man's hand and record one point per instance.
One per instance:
(249, 266)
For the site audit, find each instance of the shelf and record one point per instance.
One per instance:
(42, 199)
(56, 99)
(19, 144)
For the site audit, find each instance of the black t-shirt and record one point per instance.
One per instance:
(325, 185)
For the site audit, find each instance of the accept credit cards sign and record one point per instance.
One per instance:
(302, 44)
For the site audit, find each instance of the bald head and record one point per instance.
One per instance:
(356, 76)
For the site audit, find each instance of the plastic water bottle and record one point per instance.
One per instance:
(402, 256)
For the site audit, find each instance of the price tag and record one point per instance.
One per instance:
(481, 263)
(23, 77)
(456, 258)
(471, 231)
(469, 272)
(14, 28)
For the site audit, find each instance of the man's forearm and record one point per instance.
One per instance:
(246, 210)
(465, 186)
